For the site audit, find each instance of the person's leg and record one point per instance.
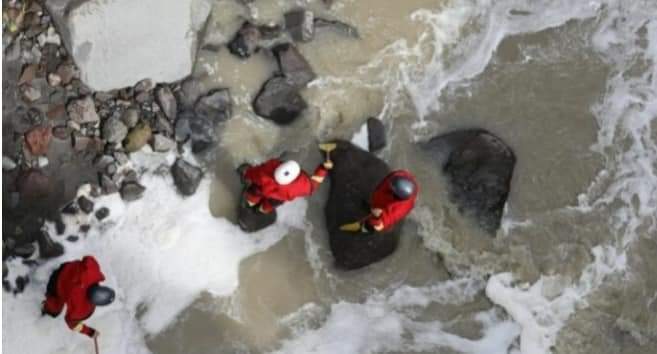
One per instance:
(266, 206)
(53, 304)
(252, 196)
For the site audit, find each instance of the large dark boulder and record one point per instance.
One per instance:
(279, 100)
(353, 179)
(376, 134)
(479, 167)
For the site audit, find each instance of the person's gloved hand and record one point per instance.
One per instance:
(328, 164)
(377, 212)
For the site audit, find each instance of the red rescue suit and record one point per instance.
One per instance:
(391, 209)
(68, 286)
(266, 192)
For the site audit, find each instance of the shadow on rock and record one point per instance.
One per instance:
(479, 167)
(353, 179)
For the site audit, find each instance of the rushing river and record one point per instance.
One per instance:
(571, 86)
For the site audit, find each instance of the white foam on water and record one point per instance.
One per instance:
(625, 115)
(159, 253)
(388, 321)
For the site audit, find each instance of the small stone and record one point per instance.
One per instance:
(103, 96)
(216, 105)
(85, 228)
(270, 31)
(66, 73)
(376, 134)
(56, 111)
(102, 213)
(191, 90)
(246, 40)
(85, 143)
(30, 93)
(182, 129)
(114, 131)
(86, 205)
(186, 176)
(54, 79)
(60, 227)
(70, 209)
(24, 251)
(28, 74)
(62, 132)
(202, 134)
(132, 191)
(107, 185)
(299, 23)
(143, 96)
(167, 102)
(47, 247)
(338, 26)
(38, 140)
(130, 176)
(279, 101)
(83, 111)
(162, 125)
(8, 164)
(121, 158)
(130, 117)
(144, 85)
(162, 144)
(111, 169)
(138, 137)
(72, 238)
(73, 125)
(293, 65)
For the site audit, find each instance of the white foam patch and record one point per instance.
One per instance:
(159, 253)
(388, 322)
(361, 138)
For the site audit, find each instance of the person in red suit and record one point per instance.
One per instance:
(275, 182)
(76, 285)
(391, 201)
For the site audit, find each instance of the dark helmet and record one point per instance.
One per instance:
(402, 187)
(100, 295)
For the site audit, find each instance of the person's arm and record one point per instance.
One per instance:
(52, 306)
(318, 177)
(79, 326)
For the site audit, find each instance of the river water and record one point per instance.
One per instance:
(570, 86)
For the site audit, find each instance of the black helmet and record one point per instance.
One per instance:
(100, 295)
(402, 187)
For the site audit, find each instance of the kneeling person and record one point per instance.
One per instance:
(275, 182)
(76, 285)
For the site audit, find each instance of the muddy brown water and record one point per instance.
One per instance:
(535, 94)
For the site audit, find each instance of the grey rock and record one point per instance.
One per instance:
(130, 117)
(203, 134)
(83, 111)
(246, 41)
(280, 101)
(131, 191)
(293, 65)
(162, 125)
(66, 73)
(121, 157)
(162, 144)
(111, 169)
(102, 213)
(144, 85)
(86, 205)
(216, 105)
(143, 96)
(30, 93)
(114, 131)
(479, 167)
(337, 26)
(376, 134)
(107, 185)
(25, 250)
(167, 102)
(186, 177)
(190, 90)
(182, 128)
(72, 238)
(299, 23)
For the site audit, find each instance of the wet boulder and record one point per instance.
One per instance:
(280, 101)
(376, 134)
(186, 177)
(479, 167)
(353, 179)
(294, 67)
(216, 105)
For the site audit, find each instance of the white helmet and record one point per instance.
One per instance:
(287, 172)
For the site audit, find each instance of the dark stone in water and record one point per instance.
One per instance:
(479, 167)
(70, 208)
(85, 228)
(293, 65)
(376, 134)
(72, 238)
(279, 100)
(132, 191)
(60, 227)
(215, 106)
(186, 177)
(25, 250)
(86, 205)
(353, 179)
(47, 247)
(299, 23)
(246, 40)
(102, 213)
(251, 220)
